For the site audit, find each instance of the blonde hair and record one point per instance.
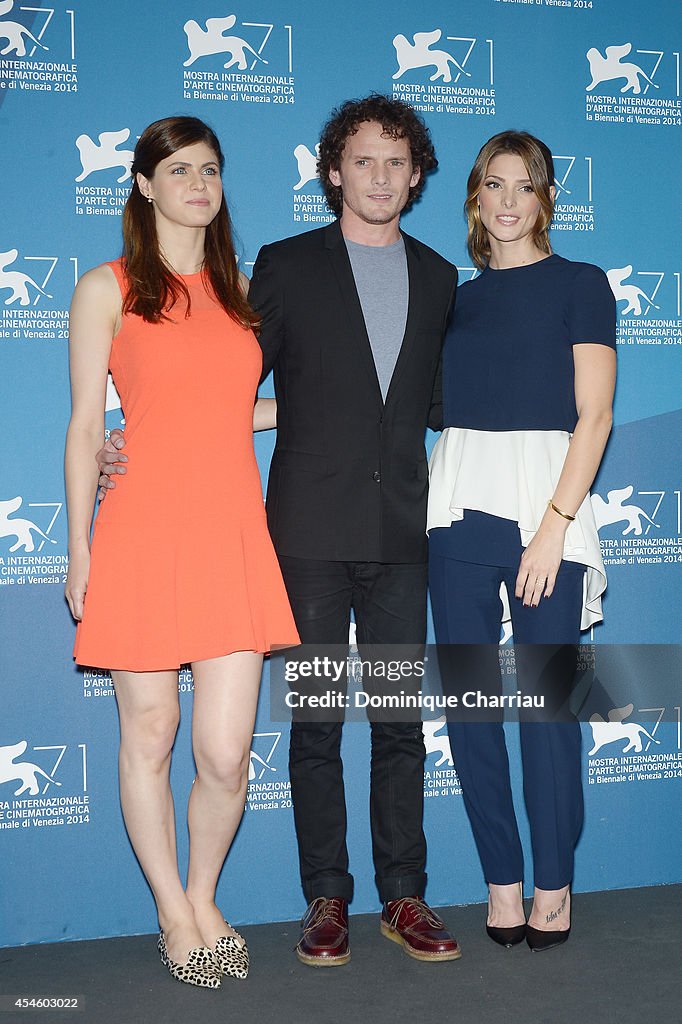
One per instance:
(538, 162)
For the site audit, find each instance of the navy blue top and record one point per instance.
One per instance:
(508, 354)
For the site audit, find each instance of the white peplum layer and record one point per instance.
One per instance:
(512, 474)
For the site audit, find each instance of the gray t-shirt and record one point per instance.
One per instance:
(380, 273)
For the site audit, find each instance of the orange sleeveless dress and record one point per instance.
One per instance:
(182, 565)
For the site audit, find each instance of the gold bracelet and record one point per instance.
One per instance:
(550, 504)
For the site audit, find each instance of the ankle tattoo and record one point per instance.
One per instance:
(554, 914)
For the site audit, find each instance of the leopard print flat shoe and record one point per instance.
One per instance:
(201, 968)
(232, 956)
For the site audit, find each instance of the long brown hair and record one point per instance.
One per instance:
(538, 162)
(153, 287)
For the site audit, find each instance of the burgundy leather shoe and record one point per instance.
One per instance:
(413, 925)
(324, 933)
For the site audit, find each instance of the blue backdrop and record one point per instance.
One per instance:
(600, 83)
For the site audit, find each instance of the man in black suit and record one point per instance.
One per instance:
(353, 316)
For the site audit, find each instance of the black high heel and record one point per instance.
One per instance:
(539, 941)
(508, 937)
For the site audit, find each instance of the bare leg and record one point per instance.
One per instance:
(149, 714)
(505, 905)
(551, 910)
(225, 699)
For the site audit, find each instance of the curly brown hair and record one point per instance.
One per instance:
(397, 119)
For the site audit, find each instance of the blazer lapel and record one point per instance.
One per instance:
(357, 331)
(414, 273)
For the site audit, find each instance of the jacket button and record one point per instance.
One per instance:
(376, 476)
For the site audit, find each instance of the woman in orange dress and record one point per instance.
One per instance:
(181, 567)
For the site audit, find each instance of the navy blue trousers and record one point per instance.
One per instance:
(467, 610)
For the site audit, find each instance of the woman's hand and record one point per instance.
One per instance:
(540, 561)
(77, 581)
(595, 375)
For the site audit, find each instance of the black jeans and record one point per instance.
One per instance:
(389, 602)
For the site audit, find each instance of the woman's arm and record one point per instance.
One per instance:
(265, 414)
(95, 310)
(595, 379)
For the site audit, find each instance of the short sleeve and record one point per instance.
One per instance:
(591, 308)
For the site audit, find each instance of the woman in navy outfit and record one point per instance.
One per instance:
(528, 377)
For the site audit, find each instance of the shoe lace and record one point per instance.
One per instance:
(416, 904)
(323, 909)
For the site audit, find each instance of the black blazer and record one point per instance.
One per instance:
(348, 479)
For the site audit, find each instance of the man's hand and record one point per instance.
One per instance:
(109, 459)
